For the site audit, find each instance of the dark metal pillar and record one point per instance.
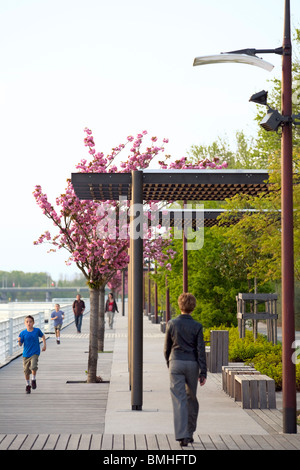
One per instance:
(185, 257)
(155, 298)
(123, 292)
(130, 314)
(149, 288)
(137, 289)
(288, 315)
(168, 316)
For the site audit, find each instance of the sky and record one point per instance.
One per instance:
(117, 67)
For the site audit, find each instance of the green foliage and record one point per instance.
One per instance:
(270, 363)
(215, 276)
(21, 279)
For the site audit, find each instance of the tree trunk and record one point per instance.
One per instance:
(101, 315)
(93, 346)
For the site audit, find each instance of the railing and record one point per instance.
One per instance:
(9, 333)
(10, 328)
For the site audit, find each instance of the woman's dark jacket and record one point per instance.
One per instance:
(184, 342)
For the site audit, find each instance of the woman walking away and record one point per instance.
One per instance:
(110, 308)
(184, 352)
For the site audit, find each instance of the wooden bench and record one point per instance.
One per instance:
(231, 377)
(225, 373)
(255, 391)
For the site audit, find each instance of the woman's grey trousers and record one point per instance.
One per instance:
(183, 386)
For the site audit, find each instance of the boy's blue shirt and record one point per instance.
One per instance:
(58, 314)
(30, 340)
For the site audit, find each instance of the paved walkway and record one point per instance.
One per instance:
(64, 412)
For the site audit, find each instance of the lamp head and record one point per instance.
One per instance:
(272, 120)
(260, 97)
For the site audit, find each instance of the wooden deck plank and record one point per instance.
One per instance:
(174, 445)
(270, 419)
(218, 442)
(229, 442)
(51, 442)
(29, 441)
(275, 445)
(197, 444)
(17, 442)
(107, 442)
(129, 442)
(118, 442)
(84, 443)
(240, 442)
(40, 442)
(207, 442)
(151, 442)
(140, 442)
(284, 442)
(264, 444)
(62, 442)
(73, 442)
(293, 439)
(252, 443)
(6, 442)
(163, 442)
(96, 442)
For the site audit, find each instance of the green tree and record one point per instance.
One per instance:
(215, 276)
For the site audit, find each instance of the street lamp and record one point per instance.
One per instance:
(233, 58)
(272, 121)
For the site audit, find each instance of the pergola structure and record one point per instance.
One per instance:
(171, 185)
(158, 185)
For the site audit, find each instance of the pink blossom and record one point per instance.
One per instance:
(77, 220)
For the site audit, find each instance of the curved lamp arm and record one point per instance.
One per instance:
(235, 58)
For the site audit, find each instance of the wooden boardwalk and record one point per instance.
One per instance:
(146, 442)
(64, 413)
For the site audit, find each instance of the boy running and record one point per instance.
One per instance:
(31, 350)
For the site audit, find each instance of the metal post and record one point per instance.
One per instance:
(149, 288)
(155, 298)
(185, 260)
(137, 295)
(129, 307)
(168, 316)
(123, 292)
(287, 249)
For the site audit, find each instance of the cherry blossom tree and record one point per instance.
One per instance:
(83, 231)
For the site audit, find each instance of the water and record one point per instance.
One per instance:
(13, 309)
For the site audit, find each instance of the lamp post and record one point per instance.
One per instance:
(287, 245)
(248, 56)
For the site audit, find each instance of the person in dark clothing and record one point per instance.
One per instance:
(78, 309)
(110, 308)
(184, 351)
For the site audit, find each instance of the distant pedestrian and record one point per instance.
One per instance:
(110, 308)
(29, 338)
(58, 316)
(184, 352)
(78, 309)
